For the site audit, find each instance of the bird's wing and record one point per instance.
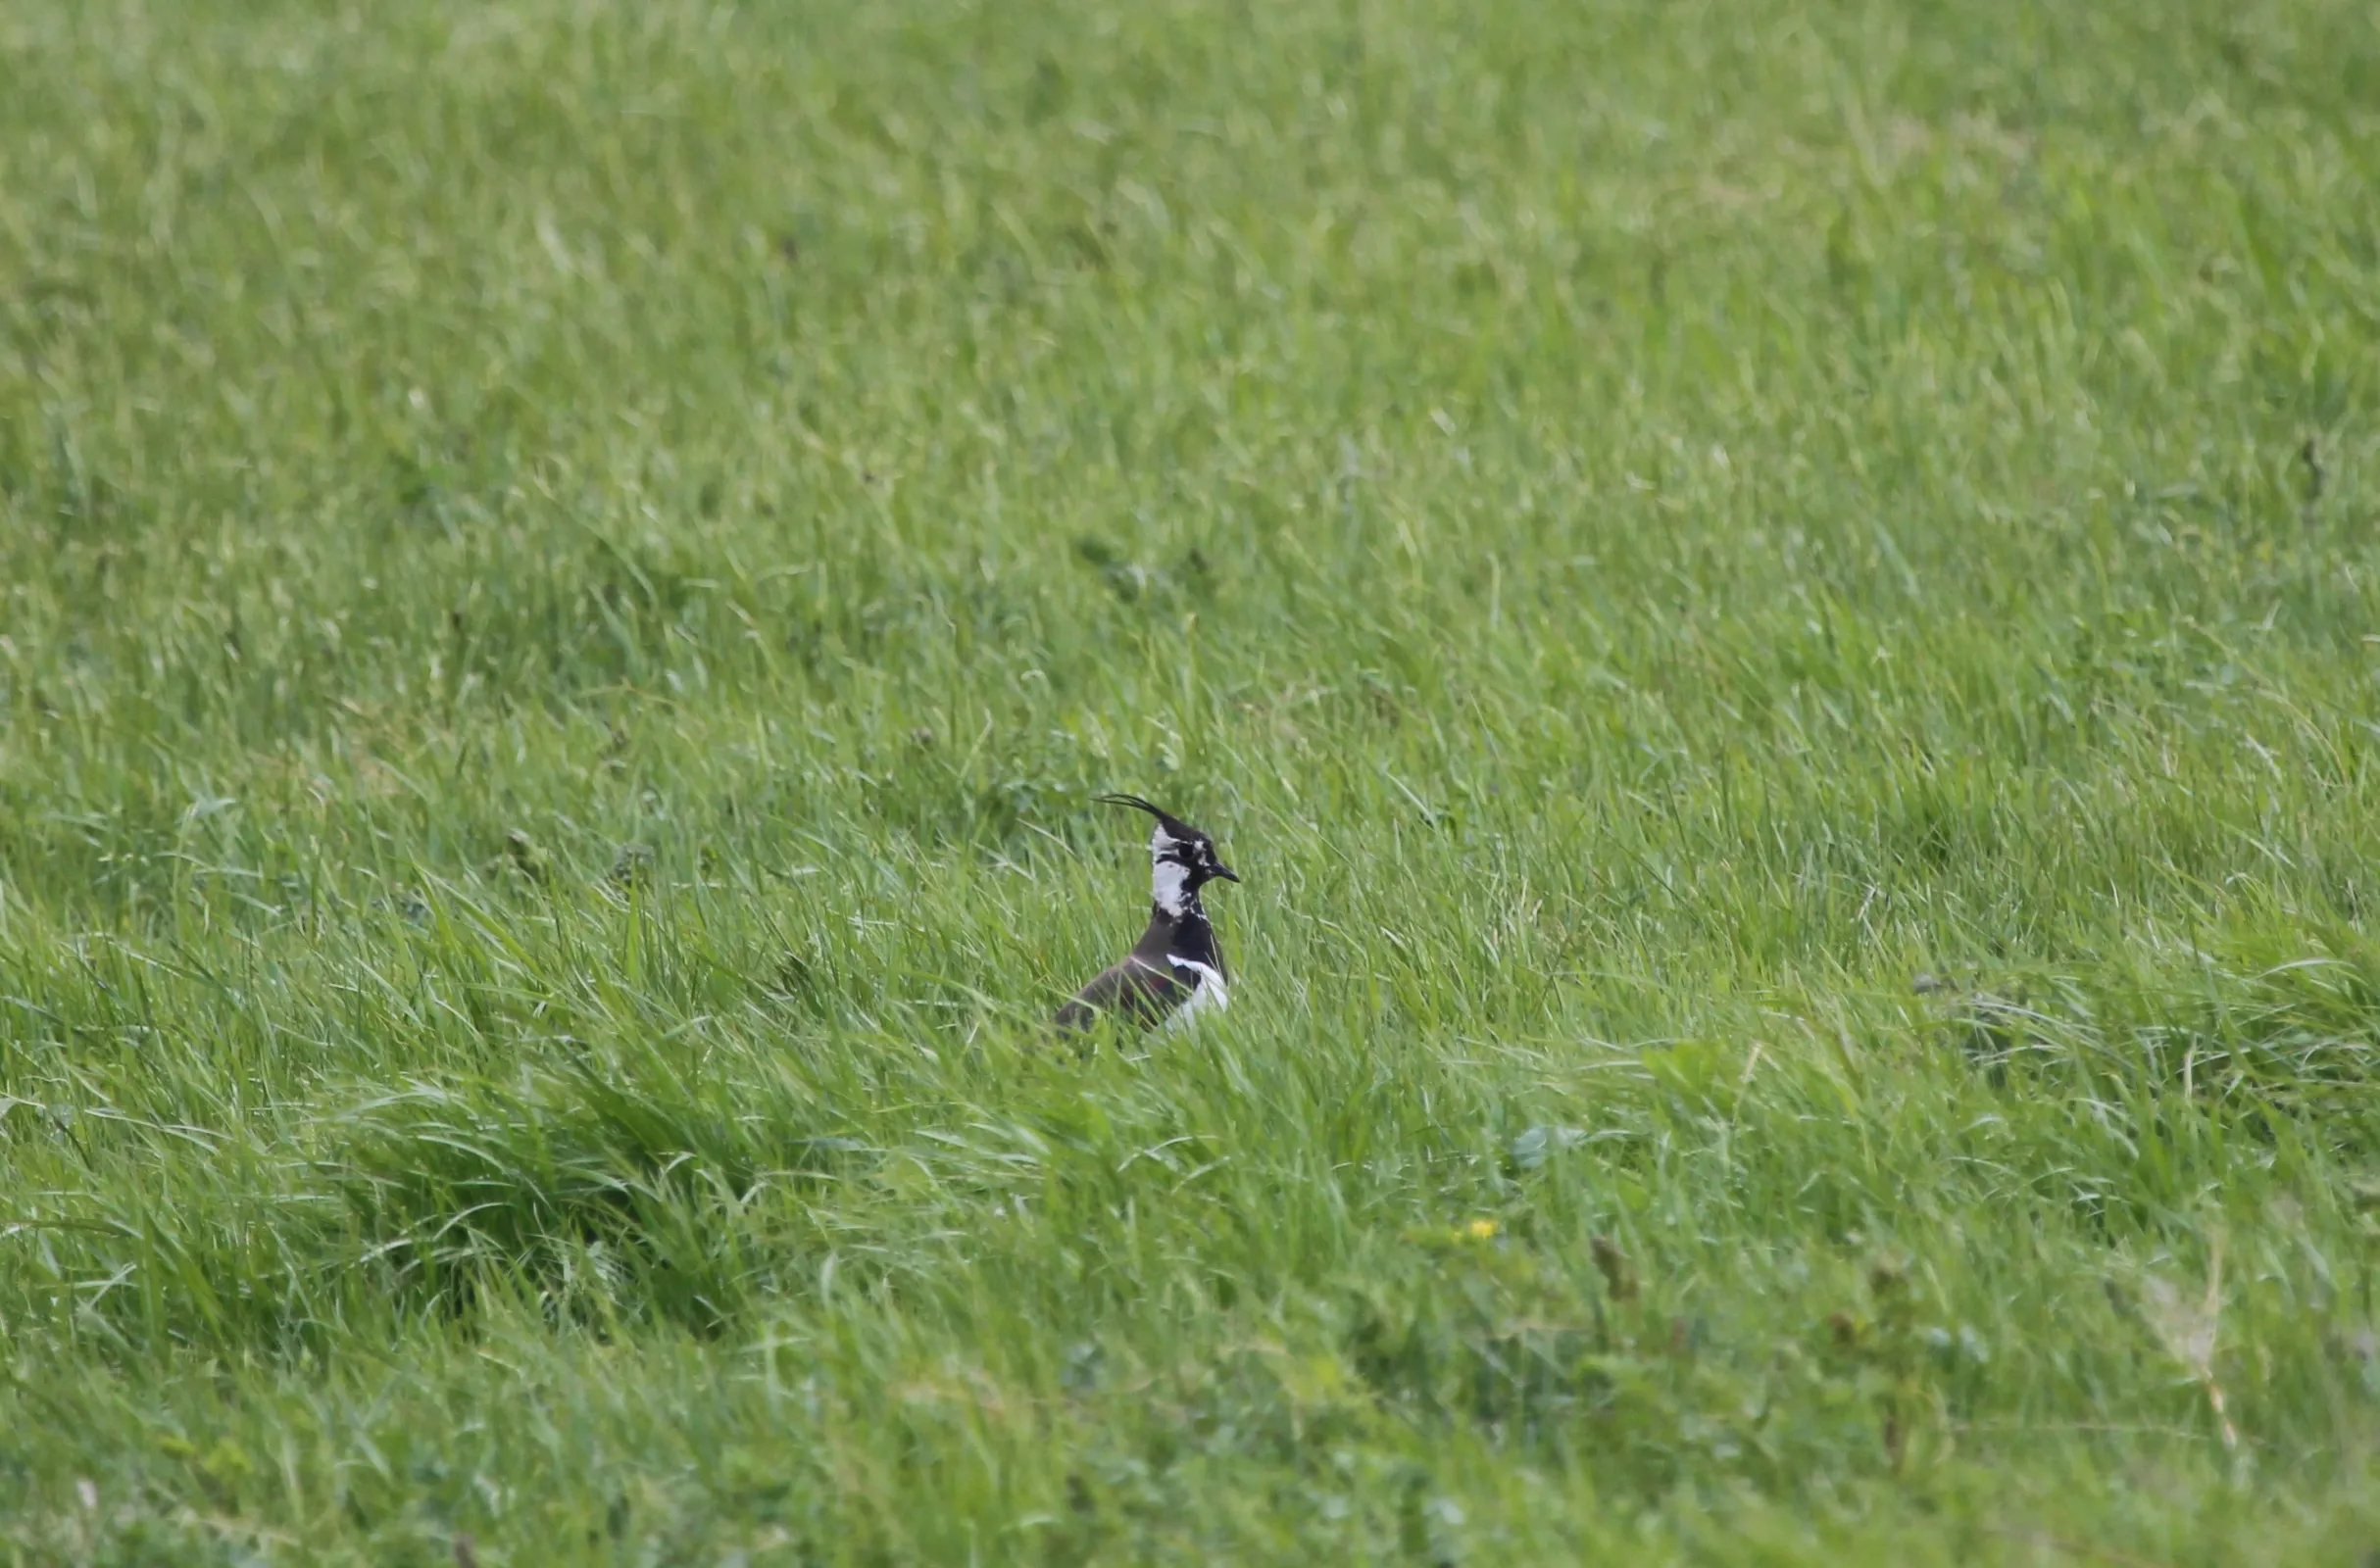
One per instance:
(1134, 988)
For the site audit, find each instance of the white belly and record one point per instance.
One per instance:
(1209, 993)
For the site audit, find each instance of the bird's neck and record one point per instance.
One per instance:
(1186, 935)
(1172, 892)
(1177, 921)
(1185, 914)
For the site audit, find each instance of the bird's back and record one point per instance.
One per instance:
(1134, 988)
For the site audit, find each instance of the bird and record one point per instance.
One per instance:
(1176, 971)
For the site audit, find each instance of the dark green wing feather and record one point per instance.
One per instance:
(1133, 989)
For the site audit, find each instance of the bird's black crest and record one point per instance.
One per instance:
(1172, 824)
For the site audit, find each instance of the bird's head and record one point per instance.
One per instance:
(1181, 857)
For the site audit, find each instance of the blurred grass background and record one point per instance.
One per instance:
(1776, 603)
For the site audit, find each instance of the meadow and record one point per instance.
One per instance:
(1778, 605)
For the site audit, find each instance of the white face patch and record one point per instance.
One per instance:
(1210, 995)
(1169, 886)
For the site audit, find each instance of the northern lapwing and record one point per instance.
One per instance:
(1176, 970)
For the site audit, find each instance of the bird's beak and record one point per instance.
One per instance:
(1225, 872)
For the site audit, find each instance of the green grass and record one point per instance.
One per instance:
(1780, 608)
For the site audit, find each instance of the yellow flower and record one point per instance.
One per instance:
(1479, 1230)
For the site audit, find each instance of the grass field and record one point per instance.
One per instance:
(1779, 607)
